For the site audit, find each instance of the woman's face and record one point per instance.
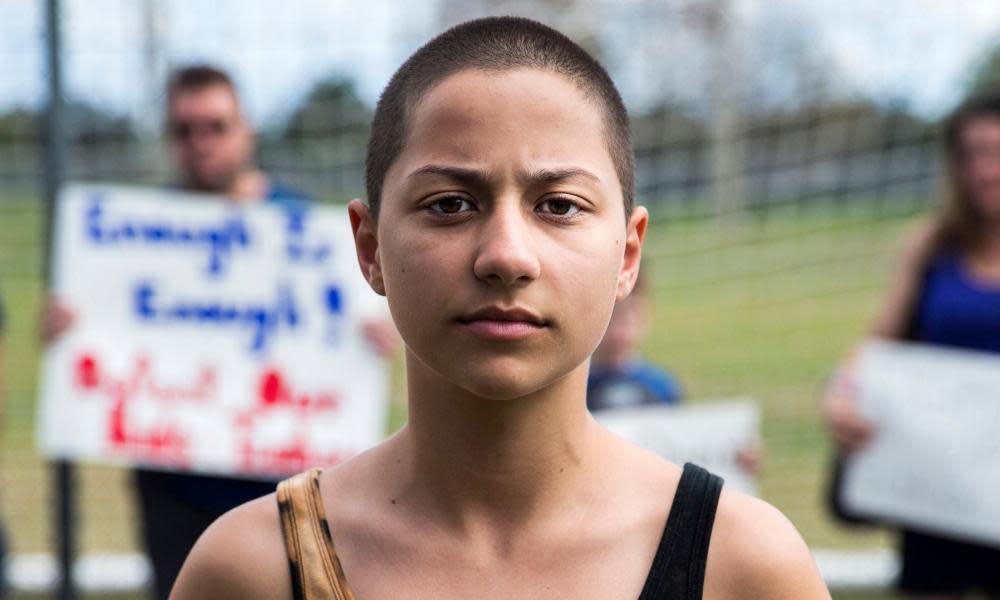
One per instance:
(501, 240)
(980, 166)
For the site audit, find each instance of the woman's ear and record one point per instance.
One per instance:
(366, 244)
(635, 233)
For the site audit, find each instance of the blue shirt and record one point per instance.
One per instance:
(956, 310)
(636, 383)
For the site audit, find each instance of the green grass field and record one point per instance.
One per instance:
(765, 310)
(758, 308)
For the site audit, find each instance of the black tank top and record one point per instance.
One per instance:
(678, 571)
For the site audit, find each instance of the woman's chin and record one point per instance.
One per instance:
(508, 382)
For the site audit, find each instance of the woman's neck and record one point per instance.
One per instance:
(479, 462)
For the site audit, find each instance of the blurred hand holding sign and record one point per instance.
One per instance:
(208, 336)
(709, 434)
(934, 463)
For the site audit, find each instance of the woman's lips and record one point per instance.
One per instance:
(497, 329)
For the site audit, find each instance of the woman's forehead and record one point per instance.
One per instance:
(524, 114)
(472, 88)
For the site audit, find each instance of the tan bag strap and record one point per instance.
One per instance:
(316, 570)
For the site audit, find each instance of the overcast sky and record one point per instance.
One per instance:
(917, 51)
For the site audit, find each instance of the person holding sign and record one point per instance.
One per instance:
(212, 146)
(946, 292)
(500, 226)
(618, 377)
(3, 536)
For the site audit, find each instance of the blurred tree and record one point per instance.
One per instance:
(986, 75)
(19, 125)
(667, 124)
(322, 144)
(101, 145)
(86, 124)
(332, 108)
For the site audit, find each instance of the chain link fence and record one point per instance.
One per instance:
(775, 218)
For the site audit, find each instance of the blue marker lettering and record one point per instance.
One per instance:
(219, 240)
(143, 297)
(263, 320)
(297, 247)
(335, 313)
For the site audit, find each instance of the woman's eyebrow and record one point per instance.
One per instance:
(558, 174)
(460, 174)
(477, 177)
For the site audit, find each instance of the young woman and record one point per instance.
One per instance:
(946, 291)
(501, 229)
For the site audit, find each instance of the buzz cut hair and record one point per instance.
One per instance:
(197, 77)
(493, 44)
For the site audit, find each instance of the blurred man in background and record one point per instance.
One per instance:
(211, 141)
(212, 147)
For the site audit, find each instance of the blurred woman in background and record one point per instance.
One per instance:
(946, 291)
(3, 540)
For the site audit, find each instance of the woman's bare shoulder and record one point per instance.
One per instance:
(241, 555)
(755, 552)
(918, 241)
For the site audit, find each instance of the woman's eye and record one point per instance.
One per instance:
(559, 207)
(450, 205)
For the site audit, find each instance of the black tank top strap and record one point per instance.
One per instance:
(678, 571)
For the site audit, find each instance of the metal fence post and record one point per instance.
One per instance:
(53, 175)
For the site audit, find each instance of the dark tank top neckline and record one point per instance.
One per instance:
(678, 570)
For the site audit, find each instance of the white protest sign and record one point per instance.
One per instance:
(934, 463)
(209, 336)
(708, 434)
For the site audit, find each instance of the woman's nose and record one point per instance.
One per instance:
(507, 252)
